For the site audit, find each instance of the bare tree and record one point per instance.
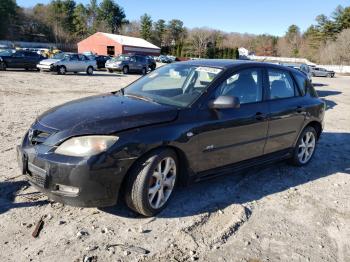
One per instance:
(199, 38)
(338, 51)
(131, 29)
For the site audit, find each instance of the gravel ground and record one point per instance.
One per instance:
(280, 213)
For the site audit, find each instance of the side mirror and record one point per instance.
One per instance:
(223, 102)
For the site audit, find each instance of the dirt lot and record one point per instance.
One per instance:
(280, 213)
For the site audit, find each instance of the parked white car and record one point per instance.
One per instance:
(68, 62)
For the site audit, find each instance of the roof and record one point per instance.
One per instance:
(130, 41)
(230, 63)
(223, 63)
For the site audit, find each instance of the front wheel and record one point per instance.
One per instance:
(144, 71)
(110, 70)
(125, 70)
(90, 70)
(62, 70)
(305, 147)
(329, 75)
(151, 182)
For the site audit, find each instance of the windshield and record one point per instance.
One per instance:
(175, 84)
(120, 58)
(6, 53)
(59, 56)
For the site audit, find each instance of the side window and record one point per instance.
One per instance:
(18, 54)
(245, 84)
(83, 58)
(302, 83)
(140, 59)
(74, 58)
(281, 84)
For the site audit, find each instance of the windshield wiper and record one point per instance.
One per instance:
(119, 91)
(144, 98)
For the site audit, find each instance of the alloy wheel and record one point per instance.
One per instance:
(162, 182)
(90, 70)
(306, 147)
(62, 70)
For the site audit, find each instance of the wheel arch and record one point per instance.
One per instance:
(317, 126)
(184, 174)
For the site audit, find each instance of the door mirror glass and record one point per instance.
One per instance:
(223, 102)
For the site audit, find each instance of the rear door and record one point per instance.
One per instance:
(140, 62)
(287, 112)
(83, 63)
(31, 59)
(324, 72)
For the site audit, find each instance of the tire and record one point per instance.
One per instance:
(90, 70)
(75, 72)
(110, 70)
(329, 75)
(144, 71)
(305, 147)
(62, 70)
(125, 70)
(144, 177)
(2, 66)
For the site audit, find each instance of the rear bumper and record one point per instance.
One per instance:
(83, 182)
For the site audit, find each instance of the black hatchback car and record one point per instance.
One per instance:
(19, 59)
(183, 122)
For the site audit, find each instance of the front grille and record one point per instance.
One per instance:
(37, 175)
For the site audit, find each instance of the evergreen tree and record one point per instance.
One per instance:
(159, 32)
(80, 18)
(112, 15)
(146, 27)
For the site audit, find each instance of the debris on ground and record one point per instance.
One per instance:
(39, 226)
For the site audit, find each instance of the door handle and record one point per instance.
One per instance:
(260, 116)
(300, 109)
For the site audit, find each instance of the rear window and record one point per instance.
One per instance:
(302, 83)
(305, 86)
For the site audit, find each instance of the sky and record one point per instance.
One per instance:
(243, 16)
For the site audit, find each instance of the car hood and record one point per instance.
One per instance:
(49, 61)
(105, 114)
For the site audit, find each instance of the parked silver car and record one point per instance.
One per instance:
(128, 63)
(68, 62)
(318, 71)
(301, 67)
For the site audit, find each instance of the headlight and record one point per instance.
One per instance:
(86, 145)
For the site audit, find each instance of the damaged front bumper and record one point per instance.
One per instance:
(86, 182)
(48, 68)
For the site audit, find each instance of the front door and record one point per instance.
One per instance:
(233, 135)
(287, 114)
(132, 64)
(74, 64)
(17, 60)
